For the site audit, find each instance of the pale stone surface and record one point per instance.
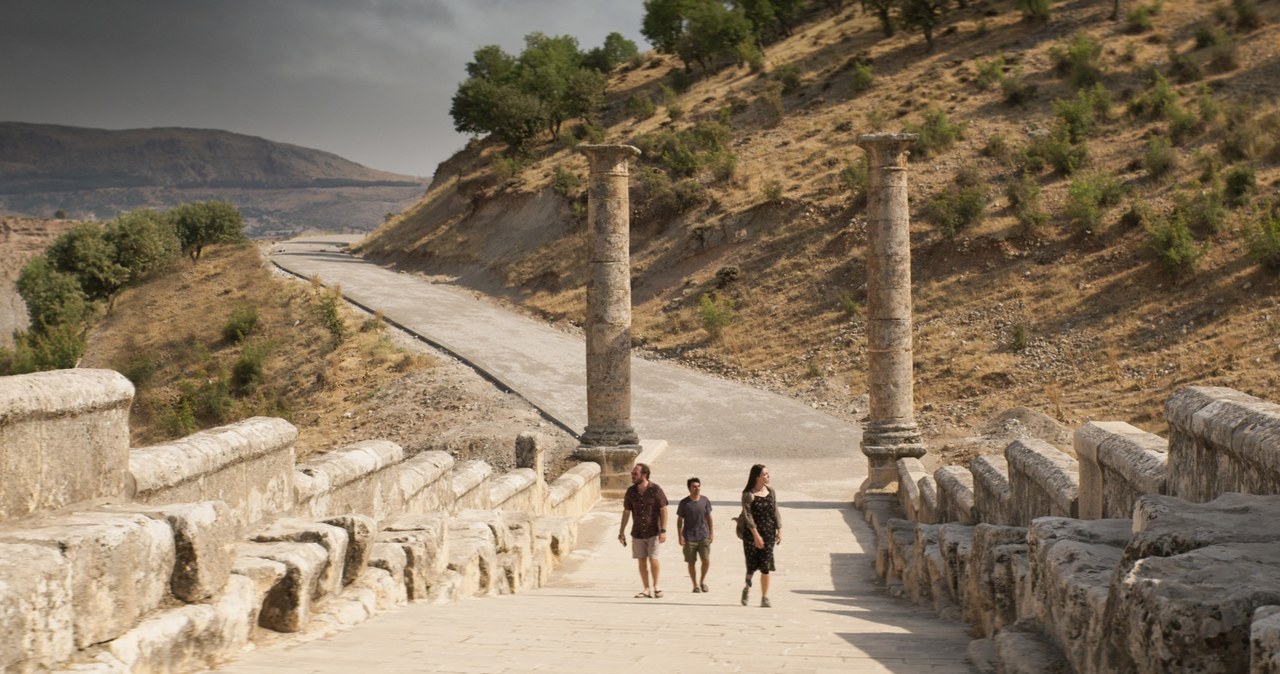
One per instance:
(989, 591)
(64, 439)
(120, 566)
(191, 637)
(1264, 641)
(608, 323)
(361, 477)
(1165, 525)
(471, 485)
(955, 494)
(1071, 564)
(531, 452)
(287, 606)
(391, 558)
(1042, 481)
(1022, 649)
(992, 495)
(1118, 463)
(248, 465)
(1222, 440)
(203, 545)
(955, 542)
(333, 539)
(560, 534)
(426, 482)
(35, 607)
(360, 534)
(425, 543)
(890, 432)
(517, 490)
(263, 573)
(910, 472)
(575, 492)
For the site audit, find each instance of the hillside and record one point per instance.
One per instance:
(1045, 303)
(280, 188)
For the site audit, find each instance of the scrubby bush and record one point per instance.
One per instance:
(772, 191)
(1160, 158)
(1262, 236)
(1239, 186)
(861, 78)
(1247, 16)
(789, 76)
(959, 206)
(247, 373)
(1202, 213)
(1078, 60)
(1055, 150)
(996, 147)
(990, 73)
(242, 323)
(1183, 68)
(1089, 196)
(1170, 241)
(564, 181)
(1138, 19)
(330, 316)
(640, 106)
(1156, 101)
(716, 313)
(1016, 91)
(853, 178)
(1037, 11)
(1023, 193)
(937, 133)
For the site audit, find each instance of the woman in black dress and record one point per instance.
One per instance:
(763, 530)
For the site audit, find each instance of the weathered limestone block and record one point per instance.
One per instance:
(1222, 440)
(287, 605)
(930, 507)
(989, 589)
(388, 590)
(1118, 463)
(426, 481)
(360, 535)
(333, 539)
(263, 573)
(64, 439)
(1192, 612)
(955, 542)
(910, 472)
(1264, 641)
(575, 492)
(955, 494)
(531, 452)
(120, 566)
(471, 485)
(944, 603)
(361, 477)
(1164, 525)
(1022, 649)
(247, 465)
(1043, 481)
(992, 496)
(425, 543)
(559, 533)
(473, 553)
(191, 637)
(35, 607)
(517, 491)
(1071, 565)
(915, 577)
(898, 548)
(204, 545)
(981, 653)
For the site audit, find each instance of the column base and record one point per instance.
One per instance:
(616, 463)
(883, 444)
(610, 436)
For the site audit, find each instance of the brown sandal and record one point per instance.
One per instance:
(643, 594)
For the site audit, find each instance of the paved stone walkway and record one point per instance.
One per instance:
(828, 615)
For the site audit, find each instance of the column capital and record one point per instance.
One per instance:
(609, 159)
(887, 149)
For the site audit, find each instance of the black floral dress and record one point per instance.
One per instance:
(762, 512)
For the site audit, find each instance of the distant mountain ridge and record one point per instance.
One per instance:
(96, 173)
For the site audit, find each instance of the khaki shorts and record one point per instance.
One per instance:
(695, 549)
(644, 547)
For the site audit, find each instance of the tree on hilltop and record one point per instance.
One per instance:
(202, 223)
(616, 49)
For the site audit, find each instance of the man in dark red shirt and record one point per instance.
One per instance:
(646, 502)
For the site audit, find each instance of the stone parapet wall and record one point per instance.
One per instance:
(64, 439)
(1042, 481)
(1118, 464)
(520, 491)
(992, 495)
(574, 493)
(247, 465)
(363, 477)
(1222, 440)
(471, 486)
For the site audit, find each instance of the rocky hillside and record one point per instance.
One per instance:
(280, 188)
(1085, 201)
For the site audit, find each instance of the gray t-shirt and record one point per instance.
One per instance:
(695, 517)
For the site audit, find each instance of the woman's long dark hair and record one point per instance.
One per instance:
(755, 475)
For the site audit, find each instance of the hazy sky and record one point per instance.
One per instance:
(369, 80)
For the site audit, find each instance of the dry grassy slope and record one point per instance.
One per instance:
(1109, 334)
(20, 240)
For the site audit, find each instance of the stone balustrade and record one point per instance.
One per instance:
(1042, 481)
(1118, 464)
(1221, 440)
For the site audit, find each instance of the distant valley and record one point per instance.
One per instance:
(281, 189)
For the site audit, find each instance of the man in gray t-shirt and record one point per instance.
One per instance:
(693, 523)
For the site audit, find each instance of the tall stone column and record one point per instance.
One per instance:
(891, 432)
(609, 299)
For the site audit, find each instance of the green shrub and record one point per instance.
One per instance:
(330, 316)
(1016, 91)
(1222, 58)
(716, 313)
(675, 111)
(564, 181)
(247, 373)
(996, 147)
(1171, 242)
(772, 191)
(1017, 337)
(1088, 198)
(877, 119)
(958, 207)
(990, 73)
(1138, 19)
(640, 107)
(1202, 213)
(689, 193)
(1183, 125)
(57, 347)
(789, 76)
(1160, 158)
(1037, 11)
(937, 134)
(1262, 237)
(1210, 36)
(1076, 117)
(1055, 150)
(1023, 193)
(853, 178)
(1242, 139)
(771, 103)
(242, 323)
(849, 306)
(1156, 101)
(1078, 61)
(1239, 186)
(1247, 16)
(861, 78)
(1183, 68)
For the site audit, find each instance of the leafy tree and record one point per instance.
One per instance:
(203, 223)
(616, 49)
(663, 23)
(712, 32)
(926, 15)
(883, 9)
(86, 254)
(761, 14)
(142, 240)
(510, 115)
(52, 297)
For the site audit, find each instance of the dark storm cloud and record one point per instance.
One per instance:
(367, 79)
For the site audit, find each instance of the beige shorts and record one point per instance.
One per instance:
(644, 547)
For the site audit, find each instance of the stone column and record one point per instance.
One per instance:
(609, 299)
(891, 432)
